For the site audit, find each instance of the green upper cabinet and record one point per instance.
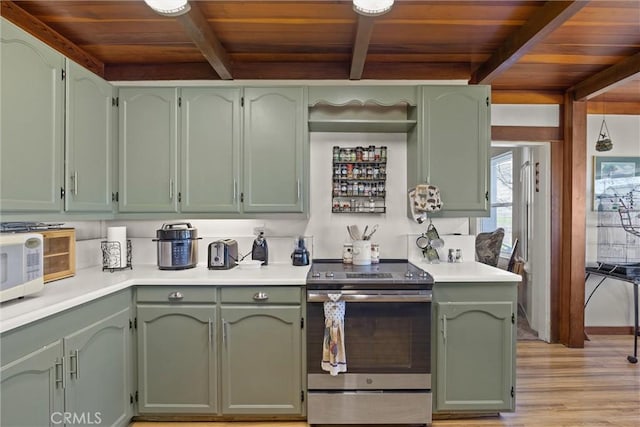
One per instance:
(148, 150)
(450, 147)
(210, 149)
(275, 143)
(89, 141)
(31, 123)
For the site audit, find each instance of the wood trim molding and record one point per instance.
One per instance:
(198, 29)
(543, 22)
(608, 330)
(573, 239)
(526, 133)
(616, 75)
(523, 97)
(40, 30)
(621, 108)
(361, 46)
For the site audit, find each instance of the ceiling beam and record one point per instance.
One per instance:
(42, 31)
(544, 21)
(198, 29)
(607, 79)
(361, 46)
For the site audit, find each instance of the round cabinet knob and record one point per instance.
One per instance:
(315, 274)
(408, 274)
(329, 274)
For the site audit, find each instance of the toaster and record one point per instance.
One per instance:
(223, 254)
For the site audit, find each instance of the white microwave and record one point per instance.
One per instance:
(21, 265)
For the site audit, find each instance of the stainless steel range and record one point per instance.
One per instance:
(387, 325)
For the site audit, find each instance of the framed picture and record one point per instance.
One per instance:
(616, 182)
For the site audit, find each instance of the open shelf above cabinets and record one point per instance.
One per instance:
(362, 118)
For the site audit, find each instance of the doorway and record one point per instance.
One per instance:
(520, 203)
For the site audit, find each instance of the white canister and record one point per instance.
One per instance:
(347, 253)
(361, 252)
(375, 253)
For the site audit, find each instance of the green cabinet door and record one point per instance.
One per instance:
(177, 359)
(275, 140)
(31, 123)
(32, 389)
(261, 359)
(89, 141)
(453, 147)
(99, 369)
(210, 149)
(475, 356)
(148, 145)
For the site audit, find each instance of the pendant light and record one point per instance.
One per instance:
(604, 139)
(169, 7)
(372, 7)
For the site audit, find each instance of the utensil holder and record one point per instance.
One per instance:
(112, 255)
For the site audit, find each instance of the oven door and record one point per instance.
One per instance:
(387, 334)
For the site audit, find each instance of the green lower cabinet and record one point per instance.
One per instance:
(177, 358)
(475, 348)
(98, 361)
(72, 368)
(261, 359)
(32, 388)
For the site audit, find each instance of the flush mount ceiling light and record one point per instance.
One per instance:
(372, 7)
(169, 7)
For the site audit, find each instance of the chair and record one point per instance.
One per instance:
(488, 246)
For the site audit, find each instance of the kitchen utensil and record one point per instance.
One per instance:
(177, 246)
(260, 251)
(368, 236)
(222, 254)
(351, 233)
(300, 255)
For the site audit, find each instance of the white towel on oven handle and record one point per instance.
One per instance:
(334, 357)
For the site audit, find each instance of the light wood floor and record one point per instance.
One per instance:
(556, 386)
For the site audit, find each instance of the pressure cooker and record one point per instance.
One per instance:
(177, 245)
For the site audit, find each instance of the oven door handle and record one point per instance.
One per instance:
(363, 296)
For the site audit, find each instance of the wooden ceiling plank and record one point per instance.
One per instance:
(548, 18)
(198, 29)
(609, 78)
(42, 31)
(361, 46)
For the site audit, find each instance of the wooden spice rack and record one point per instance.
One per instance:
(59, 253)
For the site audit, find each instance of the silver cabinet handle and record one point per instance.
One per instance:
(59, 366)
(171, 189)
(74, 365)
(444, 328)
(235, 190)
(260, 296)
(175, 296)
(210, 331)
(225, 331)
(74, 183)
(298, 189)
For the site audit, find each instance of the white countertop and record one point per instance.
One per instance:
(468, 271)
(92, 283)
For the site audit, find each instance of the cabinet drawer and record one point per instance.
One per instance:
(176, 294)
(261, 294)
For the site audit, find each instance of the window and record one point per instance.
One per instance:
(501, 199)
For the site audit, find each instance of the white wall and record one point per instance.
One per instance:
(327, 230)
(611, 304)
